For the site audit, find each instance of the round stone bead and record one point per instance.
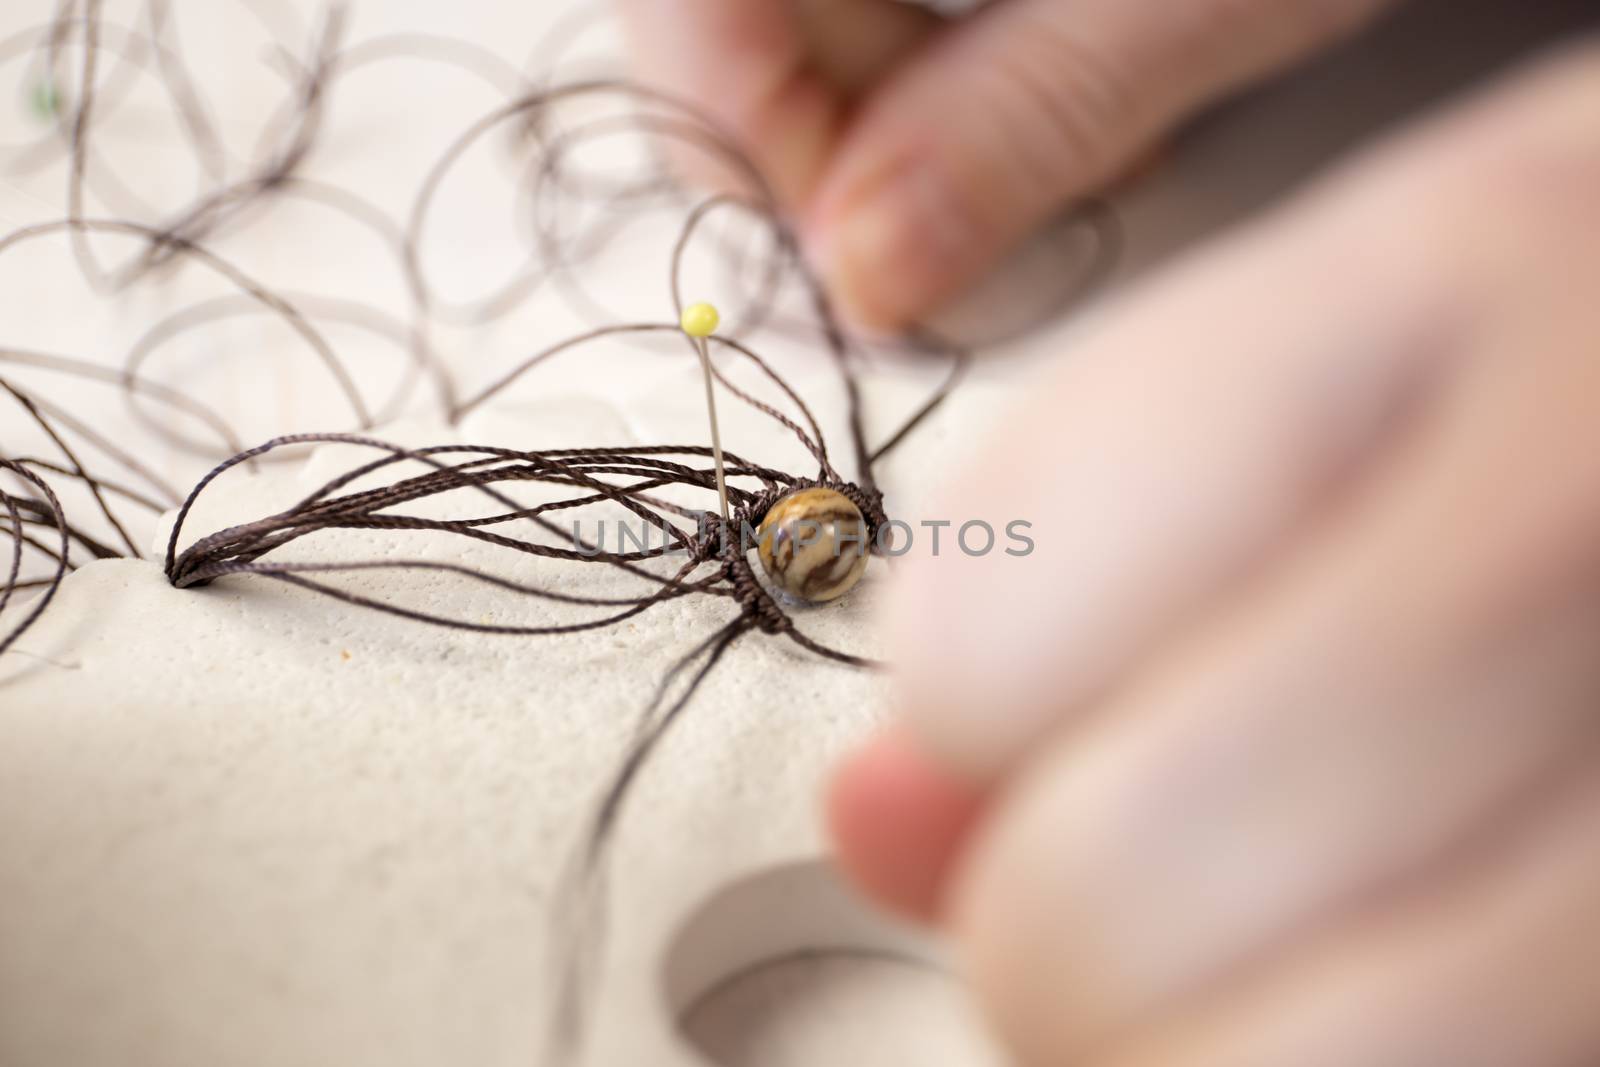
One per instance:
(814, 544)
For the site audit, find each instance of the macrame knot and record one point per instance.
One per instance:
(752, 596)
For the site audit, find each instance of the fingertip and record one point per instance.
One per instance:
(899, 824)
(893, 243)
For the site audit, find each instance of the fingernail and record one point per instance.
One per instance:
(891, 251)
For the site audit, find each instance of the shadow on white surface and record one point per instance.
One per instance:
(788, 968)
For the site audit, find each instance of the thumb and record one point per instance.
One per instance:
(1016, 112)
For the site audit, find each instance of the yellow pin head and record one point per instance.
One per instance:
(700, 320)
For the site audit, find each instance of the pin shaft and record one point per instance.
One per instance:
(716, 434)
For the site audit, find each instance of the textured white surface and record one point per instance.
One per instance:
(266, 828)
(245, 826)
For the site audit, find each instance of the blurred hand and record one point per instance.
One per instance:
(919, 152)
(1283, 747)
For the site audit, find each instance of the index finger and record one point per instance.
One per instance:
(778, 74)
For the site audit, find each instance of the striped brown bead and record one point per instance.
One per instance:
(814, 544)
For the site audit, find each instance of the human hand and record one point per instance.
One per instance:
(1281, 748)
(918, 152)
